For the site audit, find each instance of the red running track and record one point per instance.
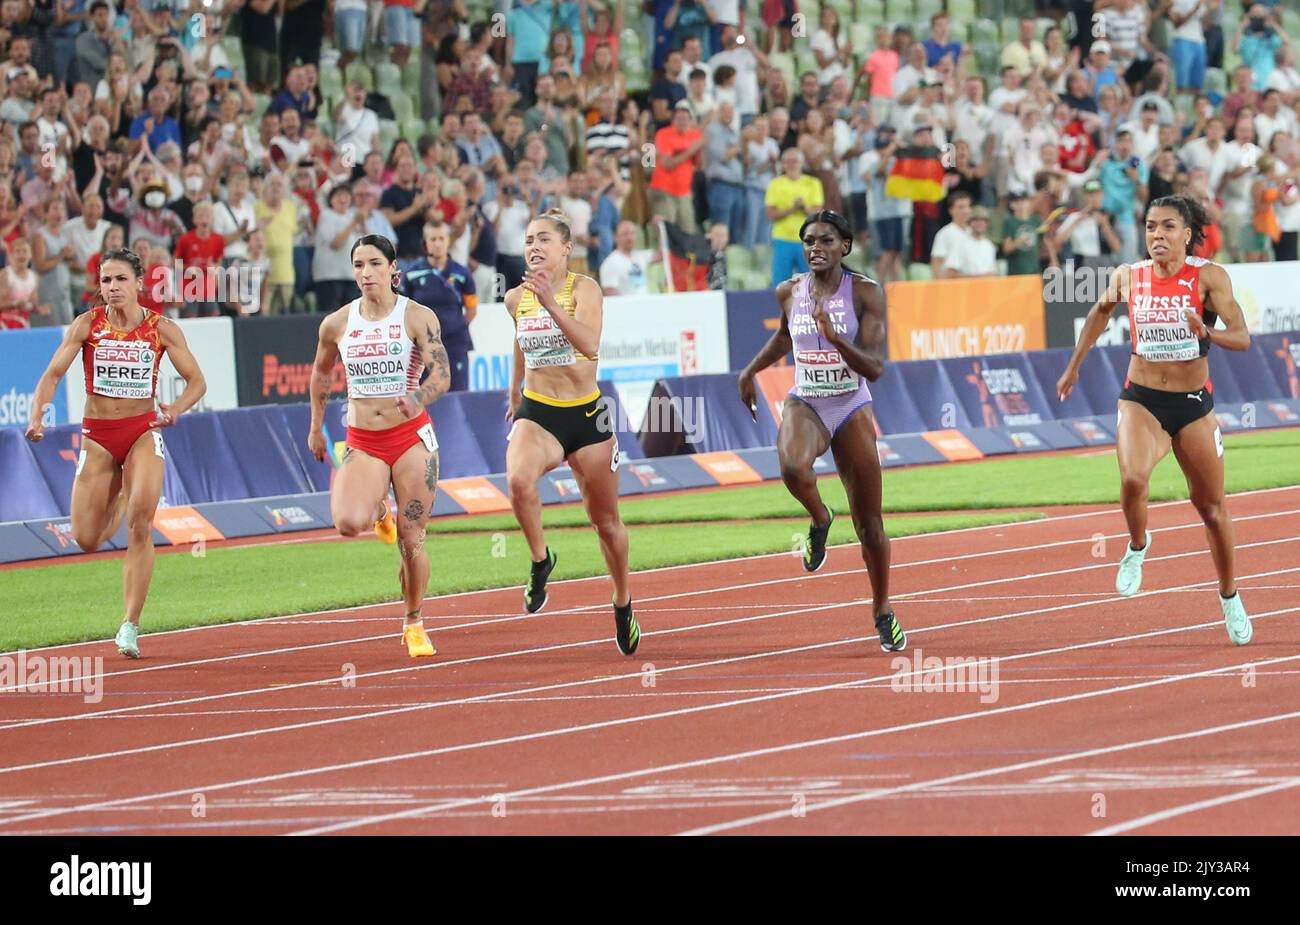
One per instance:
(759, 702)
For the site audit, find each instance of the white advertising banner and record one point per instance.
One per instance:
(645, 338)
(1268, 295)
(211, 340)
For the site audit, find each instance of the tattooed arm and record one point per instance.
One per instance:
(424, 328)
(322, 374)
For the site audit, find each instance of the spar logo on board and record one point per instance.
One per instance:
(284, 516)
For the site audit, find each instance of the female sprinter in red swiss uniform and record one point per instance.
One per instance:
(557, 412)
(1168, 401)
(385, 341)
(120, 470)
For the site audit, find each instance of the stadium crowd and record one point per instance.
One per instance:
(266, 135)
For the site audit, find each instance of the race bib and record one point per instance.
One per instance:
(1163, 335)
(376, 369)
(123, 369)
(426, 434)
(823, 374)
(158, 445)
(542, 342)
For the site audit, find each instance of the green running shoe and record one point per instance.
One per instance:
(1236, 620)
(1129, 580)
(814, 546)
(892, 637)
(128, 640)
(627, 633)
(535, 591)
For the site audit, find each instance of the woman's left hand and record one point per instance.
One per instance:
(1197, 324)
(409, 404)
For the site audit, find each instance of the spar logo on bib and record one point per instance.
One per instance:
(371, 351)
(823, 373)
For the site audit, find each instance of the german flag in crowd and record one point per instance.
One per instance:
(917, 175)
(688, 258)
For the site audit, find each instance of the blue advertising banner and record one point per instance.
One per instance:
(23, 358)
(752, 319)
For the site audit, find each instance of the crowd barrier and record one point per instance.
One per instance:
(247, 471)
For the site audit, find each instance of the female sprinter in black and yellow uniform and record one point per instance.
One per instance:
(557, 412)
(1167, 403)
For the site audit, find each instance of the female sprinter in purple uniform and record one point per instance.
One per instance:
(835, 321)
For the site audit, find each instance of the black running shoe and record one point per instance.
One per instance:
(627, 633)
(535, 590)
(892, 637)
(814, 547)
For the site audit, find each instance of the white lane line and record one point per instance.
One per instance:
(352, 678)
(1010, 768)
(1056, 518)
(578, 610)
(785, 812)
(544, 734)
(1152, 818)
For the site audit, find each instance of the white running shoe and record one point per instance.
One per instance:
(1129, 580)
(1236, 620)
(128, 640)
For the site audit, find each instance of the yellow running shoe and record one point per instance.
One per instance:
(386, 527)
(417, 642)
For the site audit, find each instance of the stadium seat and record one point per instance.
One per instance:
(925, 9)
(411, 79)
(434, 127)
(860, 37)
(412, 129)
(331, 83)
(763, 257)
(389, 132)
(871, 13)
(983, 32)
(962, 10)
(918, 272)
(1042, 24)
(358, 71)
(900, 12)
(784, 62)
(387, 76)
(1215, 81)
(1010, 31)
(989, 59)
(403, 107)
(844, 8)
(739, 259)
(1291, 23)
(260, 102)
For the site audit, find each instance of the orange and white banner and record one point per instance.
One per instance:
(985, 315)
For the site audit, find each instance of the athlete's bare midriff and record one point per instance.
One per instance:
(116, 409)
(563, 383)
(1175, 376)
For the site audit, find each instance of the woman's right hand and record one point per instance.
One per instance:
(749, 395)
(316, 443)
(1065, 385)
(512, 406)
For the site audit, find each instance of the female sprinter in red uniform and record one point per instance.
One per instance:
(120, 470)
(1168, 401)
(557, 412)
(834, 320)
(386, 341)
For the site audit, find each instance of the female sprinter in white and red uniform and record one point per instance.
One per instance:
(558, 415)
(1174, 301)
(386, 341)
(120, 469)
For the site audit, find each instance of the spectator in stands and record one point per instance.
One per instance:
(95, 44)
(954, 251)
(887, 213)
(403, 205)
(54, 258)
(469, 82)
(908, 80)
(1145, 132)
(293, 95)
(350, 25)
(830, 46)
(289, 146)
(749, 63)
(1188, 48)
(1243, 94)
(1026, 54)
(623, 272)
(667, 91)
(762, 158)
(1272, 118)
(693, 59)
(605, 32)
(1258, 40)
(155, 124)
(356, 127)
(1022, 239)
(365, 198)
(302, 31)
(528, 30)
(277, 218)
(676, 147)
(194, 189)
(1098, 70)
(724, 169)
(1285, 78)
(1086, 234)
(511, 221)
(260, 40)
(551, 124)
(791, 197)
(18, 281)
(200, 251)
(401, 30)
(1242, 156)
(1123, 181)
(479, 148)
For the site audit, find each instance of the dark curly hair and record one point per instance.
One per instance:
(1190, 211)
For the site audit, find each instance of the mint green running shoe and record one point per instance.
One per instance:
(128, 640)
(1236, 620)
(1129, 580)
